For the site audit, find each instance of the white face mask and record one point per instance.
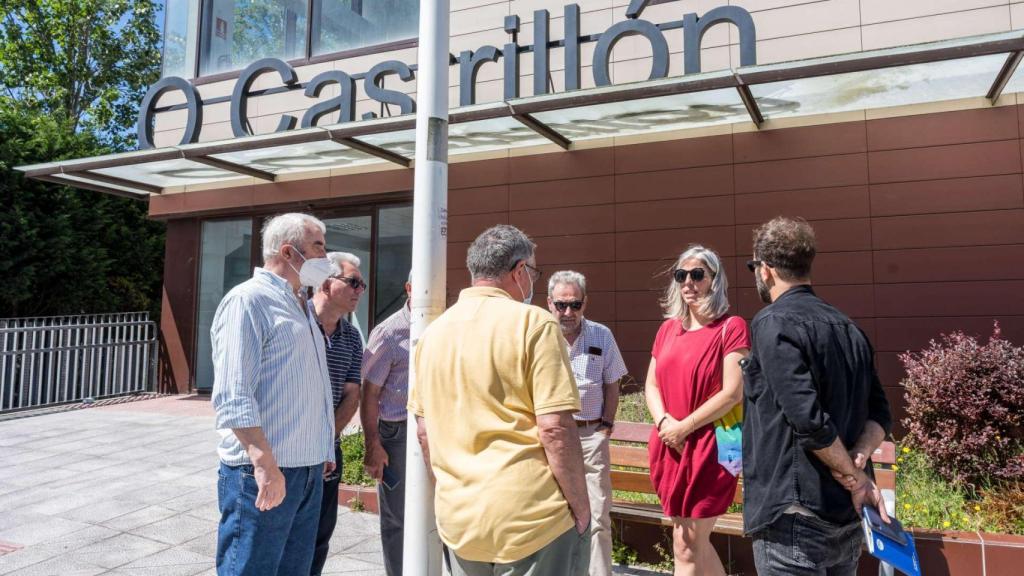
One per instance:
(314, 271)
(527, 297)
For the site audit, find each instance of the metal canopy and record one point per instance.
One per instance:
(981, 66)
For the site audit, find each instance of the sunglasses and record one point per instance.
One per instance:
(561, 306)
(352, 281)
(753, 264)
(697, 274)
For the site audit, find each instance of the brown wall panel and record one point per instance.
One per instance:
(477, 200)
(290, 191)
(831, 235)
(666, 184)
(829, 268)
(562, 194)
(813, 204)
(855, 300)
(818, 172)
(937, 162)
(961, 127)
(467, 227)
(974, 298)
(555, 250)
(643, 274)
(957, 194)
(969, 263)
(375, 183)
(637, 363)
(562, 165)
(637, 336)
(661, 214)
(824, 140)
(945, 230)
(902, 334)
(456, 257)
(890, 369)
(179, 304)
(685, 153)
(668, 244)
(479, 173)
(641, 305)
(559, 222)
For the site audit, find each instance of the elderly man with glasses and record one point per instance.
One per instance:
(333, 302)
(598, 367)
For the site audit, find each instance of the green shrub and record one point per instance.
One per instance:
(352, 452)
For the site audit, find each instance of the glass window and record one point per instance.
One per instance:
(236, 33)
(349, 24)
(224, 263)
(179, 50)
(394, 260)
(353, 234)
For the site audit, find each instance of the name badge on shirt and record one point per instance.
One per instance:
(594, 350)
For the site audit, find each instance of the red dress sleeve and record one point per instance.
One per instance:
(737, 335)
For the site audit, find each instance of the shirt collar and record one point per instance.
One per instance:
(483, 292)
(798, 289)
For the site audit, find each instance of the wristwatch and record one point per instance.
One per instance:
(606, 424)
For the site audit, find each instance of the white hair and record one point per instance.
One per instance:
(337, 258)
(715, 304)
(496, 251)
(567, 277)
(287, 229)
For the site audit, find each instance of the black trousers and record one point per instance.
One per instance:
(328, 516)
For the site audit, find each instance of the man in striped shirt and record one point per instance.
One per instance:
(384, 415)
(598, 367)
(272, 399)
(335, 300)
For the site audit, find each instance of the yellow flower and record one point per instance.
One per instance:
(895, 468)
(977, 508)
(906, 450)
(946, 524)
(966, 518)
(900, 459)
(906, 506)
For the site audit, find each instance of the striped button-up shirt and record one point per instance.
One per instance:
(270, 372)
(386, 363)
(344, 358)
(596, 363)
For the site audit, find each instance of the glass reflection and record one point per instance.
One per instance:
(349, 24)
(236, 33)
(353, 234)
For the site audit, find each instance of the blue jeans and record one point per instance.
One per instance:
(800, 545)
(279, 541)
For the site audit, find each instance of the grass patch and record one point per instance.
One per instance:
(925, 500)
(633, 408)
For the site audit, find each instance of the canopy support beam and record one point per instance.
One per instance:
(232, 167)
(542, 129)
(1009, 67)
(372, 150)
(107, 179)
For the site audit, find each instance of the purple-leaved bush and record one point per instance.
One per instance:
(965, 407)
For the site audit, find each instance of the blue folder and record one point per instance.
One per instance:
(890, 543)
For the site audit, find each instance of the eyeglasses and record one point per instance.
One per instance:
(352, 281)
(697, 274)
(561, 306)
(753, 264)
(534, 270)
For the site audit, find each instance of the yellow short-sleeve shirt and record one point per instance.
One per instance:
(484, 370)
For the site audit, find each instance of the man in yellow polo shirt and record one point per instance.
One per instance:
(494, 398)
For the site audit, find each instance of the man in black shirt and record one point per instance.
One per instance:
(814, 413)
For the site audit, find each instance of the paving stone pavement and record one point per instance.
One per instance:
(130, 489)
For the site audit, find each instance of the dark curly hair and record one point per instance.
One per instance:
(787, 245)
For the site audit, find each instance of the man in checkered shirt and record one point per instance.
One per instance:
(598, 367)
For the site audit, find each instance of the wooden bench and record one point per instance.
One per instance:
(632, 454)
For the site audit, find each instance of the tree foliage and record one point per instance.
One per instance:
(88, 62)
(72, 74)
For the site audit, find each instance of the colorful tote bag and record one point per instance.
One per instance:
(729, 432)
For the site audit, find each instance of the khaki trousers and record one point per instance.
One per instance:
(597, 463)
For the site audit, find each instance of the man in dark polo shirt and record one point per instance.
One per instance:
(334, 302)
(814, 412)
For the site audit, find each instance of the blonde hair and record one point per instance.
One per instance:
(715, 304)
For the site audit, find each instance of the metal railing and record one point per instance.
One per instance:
(60, 359)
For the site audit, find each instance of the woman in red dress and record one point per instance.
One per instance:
(694, 379)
